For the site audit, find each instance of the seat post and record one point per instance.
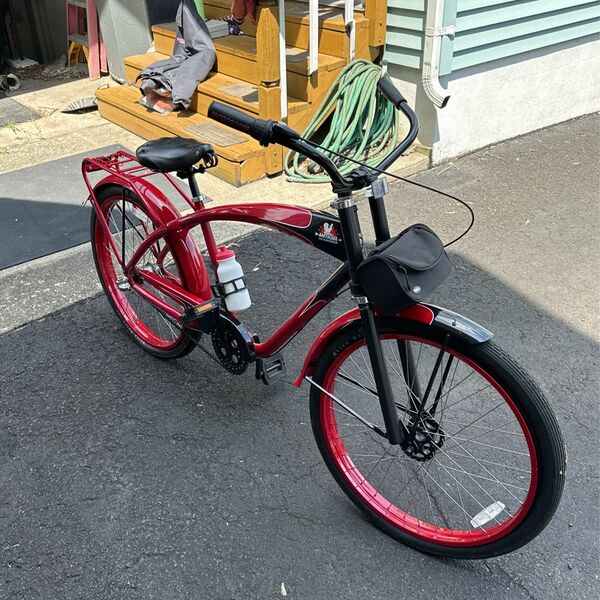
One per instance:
(191, 177)
(199, 199)
(197, 196)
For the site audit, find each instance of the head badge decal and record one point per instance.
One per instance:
(328, 232)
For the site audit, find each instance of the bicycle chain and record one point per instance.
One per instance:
(187, 331)
(216, 358)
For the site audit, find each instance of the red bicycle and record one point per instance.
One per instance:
(429, 428)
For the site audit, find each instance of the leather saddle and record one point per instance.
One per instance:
(174, 154)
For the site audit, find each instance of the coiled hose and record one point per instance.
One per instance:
(364, 125)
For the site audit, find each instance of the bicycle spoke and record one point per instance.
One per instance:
(463, 485)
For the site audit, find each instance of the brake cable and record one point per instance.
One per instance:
(406, 180)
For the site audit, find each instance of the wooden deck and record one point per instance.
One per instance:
(246, 75)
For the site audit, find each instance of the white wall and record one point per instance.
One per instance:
(408, 81)
(506, 98)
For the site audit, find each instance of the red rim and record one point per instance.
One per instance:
(383, 507)
(118, 297)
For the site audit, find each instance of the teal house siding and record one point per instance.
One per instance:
(487, 30)
(405, 27)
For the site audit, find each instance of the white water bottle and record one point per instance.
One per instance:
(230, 275)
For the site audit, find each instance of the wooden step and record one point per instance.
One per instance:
(238, 163)
(333, 39)
(236, 57)
(215, 87)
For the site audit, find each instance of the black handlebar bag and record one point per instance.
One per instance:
(404, 270)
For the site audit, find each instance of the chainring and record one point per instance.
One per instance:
(230, 347)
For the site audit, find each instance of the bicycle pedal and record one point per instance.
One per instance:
(202, 316)
(270, 370)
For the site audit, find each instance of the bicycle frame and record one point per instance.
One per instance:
(337, 236)
(317, 228)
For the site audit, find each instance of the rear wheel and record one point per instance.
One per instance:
(486, 470)
(130, 223)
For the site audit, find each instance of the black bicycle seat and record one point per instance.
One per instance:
(172, 154)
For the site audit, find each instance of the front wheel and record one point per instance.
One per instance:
(486, 470)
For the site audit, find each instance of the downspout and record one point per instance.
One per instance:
(434, 31)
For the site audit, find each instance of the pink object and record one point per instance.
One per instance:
(93, 39)
(84, 21)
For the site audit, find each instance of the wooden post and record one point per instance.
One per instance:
(103, 59)
(267, 43)
(376, 12)
(267, 63)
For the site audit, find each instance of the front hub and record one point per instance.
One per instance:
(425, 440)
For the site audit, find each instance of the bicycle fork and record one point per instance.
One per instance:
(349, 223)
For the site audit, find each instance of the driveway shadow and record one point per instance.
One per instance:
(127, 477)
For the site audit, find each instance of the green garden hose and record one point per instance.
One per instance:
(364, 125)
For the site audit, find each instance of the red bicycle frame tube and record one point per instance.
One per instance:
(296, 221)
(276, 216)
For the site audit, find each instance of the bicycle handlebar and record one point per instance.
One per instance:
(275, 132)
(390, 91)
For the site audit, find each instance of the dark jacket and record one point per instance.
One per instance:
(193, 57)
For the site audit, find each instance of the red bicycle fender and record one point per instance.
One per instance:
(417, 312)
(162, 211)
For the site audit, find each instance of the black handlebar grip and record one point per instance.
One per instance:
(259, 129)
(231, 117)
(390, 91)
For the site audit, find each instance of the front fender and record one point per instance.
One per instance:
(423, 313)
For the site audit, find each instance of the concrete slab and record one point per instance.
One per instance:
(13, 112)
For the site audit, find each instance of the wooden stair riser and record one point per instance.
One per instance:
(243, 65)
(118, 105)
(331, 41)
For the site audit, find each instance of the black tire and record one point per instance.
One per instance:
(542, 496)
(180, 345)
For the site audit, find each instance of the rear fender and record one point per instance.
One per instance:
(162, 211)
(435, 316)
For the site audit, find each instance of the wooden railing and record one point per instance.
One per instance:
(271, 49)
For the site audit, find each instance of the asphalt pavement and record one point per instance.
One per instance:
(124, 477)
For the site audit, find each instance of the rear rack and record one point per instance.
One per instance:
(125, 166)
(119, 163)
